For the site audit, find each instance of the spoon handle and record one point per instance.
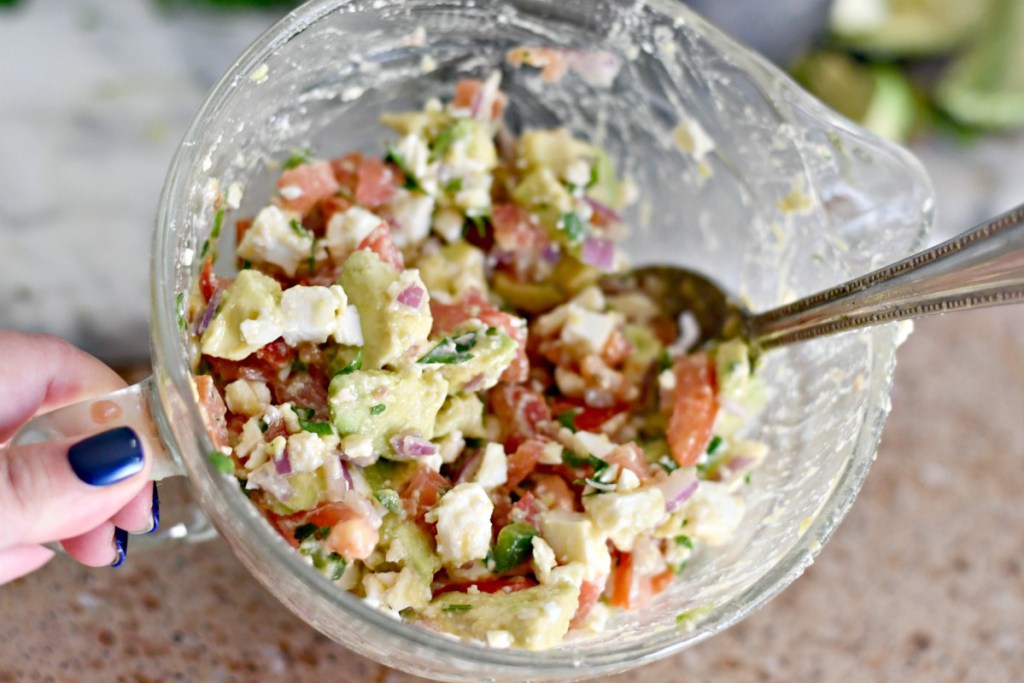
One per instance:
(981, 267)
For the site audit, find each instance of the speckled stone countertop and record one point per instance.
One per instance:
(924, 580)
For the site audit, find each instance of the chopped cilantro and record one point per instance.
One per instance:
(451, 350)
(377, 409)
(299, 366)
(568, 419)
(304, 413)
(684, 541)
(595, 176)
(449, 135)
(179, 304)
(573, 225)
(321, 428)
(218, 221)
(477, 221)
(453, 185)
(304, 531)
(246, 264)
(354, 364)
(667, 463)
(298, 228)
(389, 499)
(411, 182)
(664, 361)
(473, 442)
(298, 158)
(491, 331)
(573, 459)
(746, 478)
(454, 607)
(222, 463)
(205, 250)
(714, 444)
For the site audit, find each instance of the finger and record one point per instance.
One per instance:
(52, 490)
(21, 560)
(41, 373)
(104, 546)
(142, 513)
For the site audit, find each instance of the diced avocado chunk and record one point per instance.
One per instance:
(536, 618)
(455, 269)
(737, 381)
(462, 413)
(306, 487)
(646, 347)
(532, 297)
(472, 354)
(390, 327)
(426, 124)
(407, 544)
(253, 296)
(555, 149)
(542, 193)
(379, 404)
(573, 276)
(388, 474)
(606, 189)
(467, 142)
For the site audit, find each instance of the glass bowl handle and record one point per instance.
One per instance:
(131, 407)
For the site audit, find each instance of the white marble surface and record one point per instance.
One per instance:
(97, 95)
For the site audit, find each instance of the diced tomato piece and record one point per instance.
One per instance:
(211, 405)
(589, 593)
(375, 184)
(468, 92)
(330, 514)
(524, 461)
(422, 492)
(694, 407)
(277, 354)
(554, 492)
(303, 390)
(631, 457)
(515, 230)
(518, 409)
(315, 181)
(346, 171)
(526, 510)
(587, 418)
(332, 205)
(379, 241)
(617, 349)
(629, 590)
(208, 279)
(286, 525)
(242, 226)
(660, 582)
(507, 584)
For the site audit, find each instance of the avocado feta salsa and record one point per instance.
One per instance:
(416, 379)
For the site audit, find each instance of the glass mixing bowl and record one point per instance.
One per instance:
(740, 175)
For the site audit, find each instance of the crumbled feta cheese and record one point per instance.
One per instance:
(577, 173)
(713, 513)
(396, 591)
(349, 328)
(475, 193)
(310, 314)
(448, 224)
(247, 397)
(493, 470)
(551, 453)
(591, 298)
(573, 573)
(346, 229)
(543, 559)
(574, 538)
(305, 451)
(234, 196)
(622, 516)
(414, 151)
(358, 449)
(251, 439)
(667, 380)
(290, 418)
(587, 330)
(499, 639)
(598, 445)
(463, 518)
(450, 446)
(412, 213)
(627, 480)
(262, 330)
(271, 239)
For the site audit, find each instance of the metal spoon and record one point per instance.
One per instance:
(981, 267)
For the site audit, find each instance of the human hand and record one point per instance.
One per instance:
(85, 493)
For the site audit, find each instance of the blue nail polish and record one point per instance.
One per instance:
(108, 457)
(156, 511)
(121, 545)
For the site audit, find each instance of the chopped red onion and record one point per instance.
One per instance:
(469, 468)
(409, 446)
(211, 308)
(551, 253)
(362, 506)
(678, 487)
(336, 479)
(474, 384)
(411, 296)
(269, 480)
(606, 212)
(597, 67)
(282, 464)
(599, 253)
(734, 407)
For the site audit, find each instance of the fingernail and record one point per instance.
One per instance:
(108, 457)
(156, 511)
(121, 546)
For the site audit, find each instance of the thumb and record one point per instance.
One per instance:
(58, 489)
